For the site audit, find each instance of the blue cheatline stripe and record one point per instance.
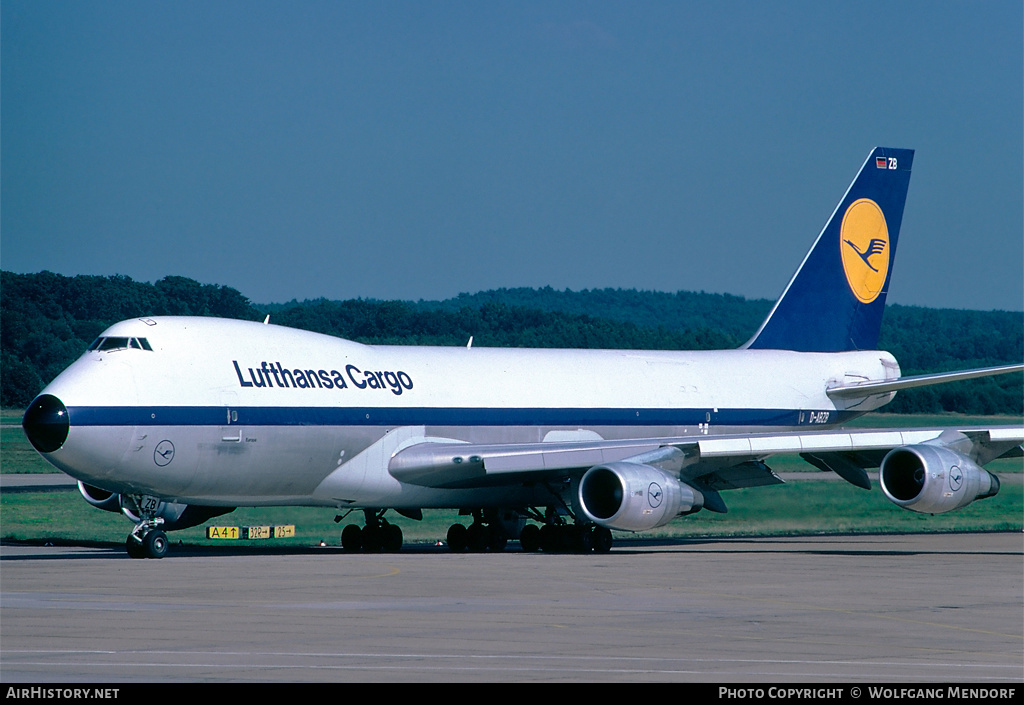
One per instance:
(430, 416)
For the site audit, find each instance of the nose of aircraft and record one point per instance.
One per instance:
(46, 423)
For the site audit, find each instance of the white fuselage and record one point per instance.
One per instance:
(229, 413)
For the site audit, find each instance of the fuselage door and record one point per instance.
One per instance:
(232, 429)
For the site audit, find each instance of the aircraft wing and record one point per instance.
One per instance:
(710, 462)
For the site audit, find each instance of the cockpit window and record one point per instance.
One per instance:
(118, 343)
(114, 343)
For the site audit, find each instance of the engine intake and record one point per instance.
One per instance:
(933, 480)
(634, 497)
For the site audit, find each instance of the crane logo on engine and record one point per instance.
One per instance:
(956, 479)
(654, 494)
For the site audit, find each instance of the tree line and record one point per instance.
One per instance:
(47, 320)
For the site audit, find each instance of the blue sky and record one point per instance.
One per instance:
(416, 150)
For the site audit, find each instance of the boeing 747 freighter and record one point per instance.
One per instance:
(173, 421)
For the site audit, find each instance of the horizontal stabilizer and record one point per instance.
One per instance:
(863, 389)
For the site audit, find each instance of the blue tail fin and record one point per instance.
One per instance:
(835, 300)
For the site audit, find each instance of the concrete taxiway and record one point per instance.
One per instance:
(922, 608)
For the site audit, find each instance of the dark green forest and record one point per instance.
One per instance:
(47, 320)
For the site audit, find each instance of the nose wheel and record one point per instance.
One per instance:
(153, 544)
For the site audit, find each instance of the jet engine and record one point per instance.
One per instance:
(932, 479)
(634, 497)
(175, 516)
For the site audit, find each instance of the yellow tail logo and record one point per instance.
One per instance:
(864, 244)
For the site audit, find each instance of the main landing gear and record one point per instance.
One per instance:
(566, 538)
(378, 535)
(491, 533)
(491, 530)
(477, 537)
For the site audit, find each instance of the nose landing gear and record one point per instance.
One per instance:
(147, 540)
(152, 544)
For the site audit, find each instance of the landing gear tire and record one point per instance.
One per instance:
(134, 548)
(352, 538)
(154, 544)
(584, 539)
(391, 535)
(549, 538)
(371, 539)
(496, 540)
(457, 538)
(572, 538)
(529, 538)
(476, 538)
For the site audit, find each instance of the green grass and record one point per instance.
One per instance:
(16, 453)
(11, 415)
(800, 507)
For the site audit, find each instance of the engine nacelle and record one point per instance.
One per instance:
(175, 516)
(634, 497)
(932, 479)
